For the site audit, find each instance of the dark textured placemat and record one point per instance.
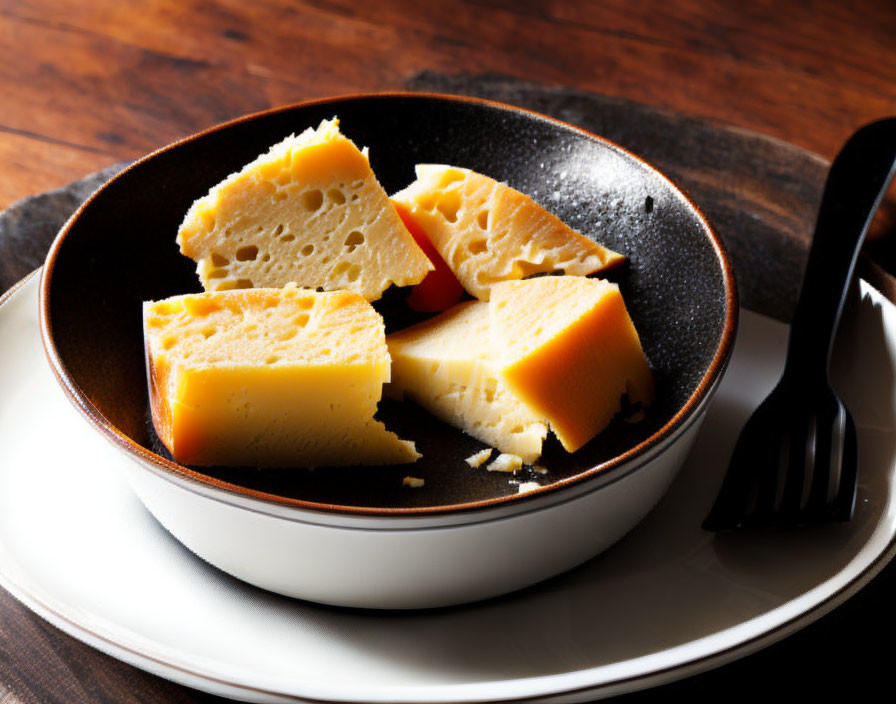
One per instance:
(28, 227)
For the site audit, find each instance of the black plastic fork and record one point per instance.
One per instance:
(796, 460)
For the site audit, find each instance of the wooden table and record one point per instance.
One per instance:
(85, 85)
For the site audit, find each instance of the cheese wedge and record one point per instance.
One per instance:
(269, 377)
(445, 364)
(488, 232)
(569, 351)
(311, 211)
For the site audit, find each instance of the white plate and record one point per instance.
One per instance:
(668, 600)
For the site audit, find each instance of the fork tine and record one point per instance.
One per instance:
(842, 503)
(833, 490)
(825, 474)
(846, 498)
(776, 450)
(802, 470)
(737, 495)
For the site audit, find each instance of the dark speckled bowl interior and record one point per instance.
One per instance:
(119, 250)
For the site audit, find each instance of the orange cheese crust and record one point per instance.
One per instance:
(577, 361)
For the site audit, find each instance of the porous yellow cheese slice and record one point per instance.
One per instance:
(569, 351)
(310, 210)
(488, 232)
(269, 377)
(445, 365)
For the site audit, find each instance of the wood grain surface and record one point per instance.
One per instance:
(87, 84)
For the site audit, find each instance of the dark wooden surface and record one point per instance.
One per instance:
(85, 85)
(761, 194)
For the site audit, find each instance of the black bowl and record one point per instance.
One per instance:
(118, 250)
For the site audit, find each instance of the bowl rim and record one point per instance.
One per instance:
(258, 499)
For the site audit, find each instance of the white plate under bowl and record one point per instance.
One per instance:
(669, 600)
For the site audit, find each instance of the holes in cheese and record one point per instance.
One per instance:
(354, 240)
(569, 351)
(445, 365)
(249, 253)
(269, 377)
(309, 202)
(489, 232)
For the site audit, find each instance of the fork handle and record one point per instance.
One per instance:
(856, 184)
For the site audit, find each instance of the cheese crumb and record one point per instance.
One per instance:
(505, 463)
(523, 487)
(477, 459)
(635, 417)
(413, 482)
